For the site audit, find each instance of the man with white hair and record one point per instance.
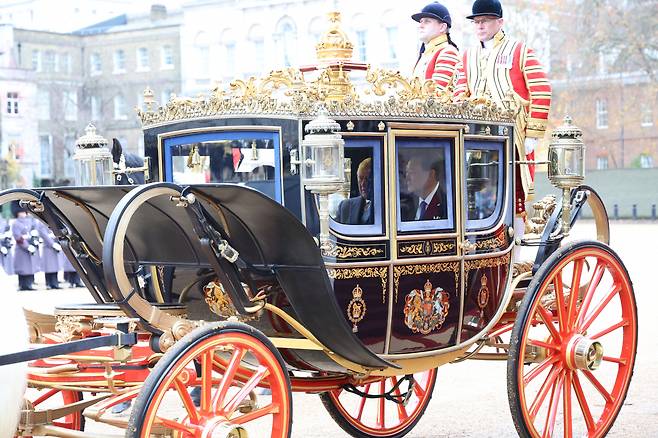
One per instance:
(500, 65)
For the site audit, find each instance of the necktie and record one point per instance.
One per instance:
(422, 50)
(421, 209)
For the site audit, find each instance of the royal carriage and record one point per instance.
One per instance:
(280, 244)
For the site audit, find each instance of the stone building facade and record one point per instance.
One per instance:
(97, 74)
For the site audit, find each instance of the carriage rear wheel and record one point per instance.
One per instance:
(230, 363)
(361, 413)
(573, 345)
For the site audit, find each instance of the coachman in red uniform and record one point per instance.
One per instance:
(438, 56)
(500, 65)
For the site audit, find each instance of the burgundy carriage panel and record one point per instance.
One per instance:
(486, 280)
(426, 301)
(362, 296)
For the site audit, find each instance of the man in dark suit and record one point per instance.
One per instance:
(424, 179)
(359, 210)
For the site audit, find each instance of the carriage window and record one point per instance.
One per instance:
(247, 158)
(424, 184)
(357, 209)
(484, 188)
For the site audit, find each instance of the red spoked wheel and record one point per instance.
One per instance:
(361, 412)
(54, 398)
(573, 344)
(228, 404)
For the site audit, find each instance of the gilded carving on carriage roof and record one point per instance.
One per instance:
(404, 270)
(288, 92)
(380, 272)
(341, 251)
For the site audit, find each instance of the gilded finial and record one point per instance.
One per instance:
(148, 99)
(334, 44)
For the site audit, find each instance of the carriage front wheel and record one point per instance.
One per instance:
(364, 412)
(573, 344)
(224, 379)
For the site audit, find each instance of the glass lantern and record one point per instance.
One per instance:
(93, 160)
(566, 164)
(323, 166)
(323, 155)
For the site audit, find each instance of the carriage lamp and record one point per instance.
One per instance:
(93, 160)
(322, 166)
(566, 164)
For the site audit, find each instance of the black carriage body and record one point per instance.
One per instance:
(405, 288)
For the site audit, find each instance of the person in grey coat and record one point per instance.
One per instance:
(50, 260)
(6, 247)
(26, 255)
(71, 276)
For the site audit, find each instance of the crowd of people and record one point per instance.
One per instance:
(28, 247)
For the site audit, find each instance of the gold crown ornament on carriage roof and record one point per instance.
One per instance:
(300, 91)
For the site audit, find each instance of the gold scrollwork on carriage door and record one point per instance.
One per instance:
(492, 243)
(486, 263)
(426, 248)
(380, 272)
(350, 252)
(399, 271)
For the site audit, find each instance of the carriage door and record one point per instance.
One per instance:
(425, 225)
(488, 213)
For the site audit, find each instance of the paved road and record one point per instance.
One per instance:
(470, 399)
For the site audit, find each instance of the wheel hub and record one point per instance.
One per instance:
(583, 353)
(224, 429)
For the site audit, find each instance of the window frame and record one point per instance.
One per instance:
(473, 225)
(602, 121)
(377, 227)
(273, 135)
(119, 61)
(433, 226)
(139, 55)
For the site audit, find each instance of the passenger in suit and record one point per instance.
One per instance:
(424, 177)
(359, 210)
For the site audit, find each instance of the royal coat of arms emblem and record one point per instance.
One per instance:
(426, 310)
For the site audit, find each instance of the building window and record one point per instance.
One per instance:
(48, 61)
(647, 115)
(230, 58)
(646, 161)
(95, 108)
(119, 61)
(392, 36)
(361, 36)
(142, 59)
(602, 163)
(65, 61)
(202, 52)
(95, 63)
(601, 113)
(285, 39)
(140, 101)
(43, 104)
(166, 95)
(167, 58)
(119, 107)
(36, 60)
(46, 147)
(69, 150)
(12, 102)
(70, 105)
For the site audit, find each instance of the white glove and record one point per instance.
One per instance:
(530, 144)
(3, 250)
(57, 247)
(32, 249)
